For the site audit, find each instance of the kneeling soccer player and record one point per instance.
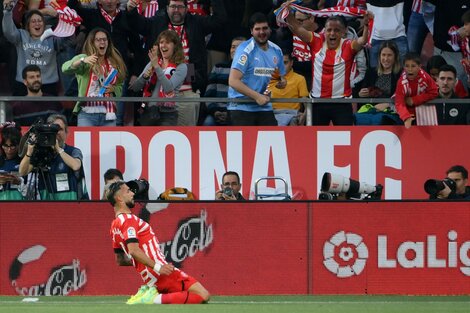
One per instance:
(136, 244)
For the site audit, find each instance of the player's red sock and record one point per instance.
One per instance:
(182, 297)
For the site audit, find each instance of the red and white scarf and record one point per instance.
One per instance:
(93, 89)
(68, 20)
(109, 19)
(465, 49)
(457, 43)
(181, 31)
(284, 10)
(361, 4)
(426, 114)
(150, 85)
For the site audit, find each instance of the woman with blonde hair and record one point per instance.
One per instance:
(100, 72)
(162, 77)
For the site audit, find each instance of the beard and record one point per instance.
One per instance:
(130, 204)
(35, 87)
(177, 19)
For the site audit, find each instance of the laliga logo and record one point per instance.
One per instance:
(345, 254)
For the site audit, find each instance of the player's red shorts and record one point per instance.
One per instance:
(176, 281)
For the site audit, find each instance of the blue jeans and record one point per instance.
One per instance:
(401, 43)
(94, 119)
(284, 117)
(417, 32)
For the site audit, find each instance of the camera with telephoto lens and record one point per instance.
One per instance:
(140, 188)
(228, 191)
(434, 186)
(334, 185)
(44, 137)
(327, 196)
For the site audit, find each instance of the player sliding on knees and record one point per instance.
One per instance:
(136, 244)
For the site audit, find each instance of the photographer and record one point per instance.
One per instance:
(112, 175)
(230, 187)
(139, 187)
(62, 177)
(456, 188)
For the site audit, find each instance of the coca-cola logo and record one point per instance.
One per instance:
(193, 235)
(62, 279)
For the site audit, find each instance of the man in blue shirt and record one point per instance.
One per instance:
(255, 63)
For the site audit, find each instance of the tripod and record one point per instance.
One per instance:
(32, 186)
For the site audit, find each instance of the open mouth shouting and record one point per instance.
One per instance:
(101, 43)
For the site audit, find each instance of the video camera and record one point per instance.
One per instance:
(334, 185)
(43, 136)
(140, 188)
(434, 186)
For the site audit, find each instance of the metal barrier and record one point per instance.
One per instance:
(308, 102)
(285, 195)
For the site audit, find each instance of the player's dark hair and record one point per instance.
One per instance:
(112, 190)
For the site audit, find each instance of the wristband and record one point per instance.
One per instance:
(60, 151)
(27, 155)
(157, 268)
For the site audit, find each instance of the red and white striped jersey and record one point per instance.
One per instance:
(129, 228)
(301, 50)
(197, 8)
(331, 70)
(150, 9)
(416, 7)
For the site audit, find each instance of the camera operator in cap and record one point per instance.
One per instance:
(230, 187)
(63, 178)
(459, 175)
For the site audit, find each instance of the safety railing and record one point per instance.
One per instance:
(308, 102)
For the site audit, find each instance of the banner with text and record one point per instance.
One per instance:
(196, 158)
(232, 249)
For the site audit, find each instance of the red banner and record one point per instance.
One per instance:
(254, 248)
(60, 249)
(392, 248)
(194, 157)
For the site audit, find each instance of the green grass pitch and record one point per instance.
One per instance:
(245, 304)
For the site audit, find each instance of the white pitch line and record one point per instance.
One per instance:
(244, 302)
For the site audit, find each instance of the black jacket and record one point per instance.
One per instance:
(453, 113)
(196, 28)
(125, 39)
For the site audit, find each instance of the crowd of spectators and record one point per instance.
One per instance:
(116, 51)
